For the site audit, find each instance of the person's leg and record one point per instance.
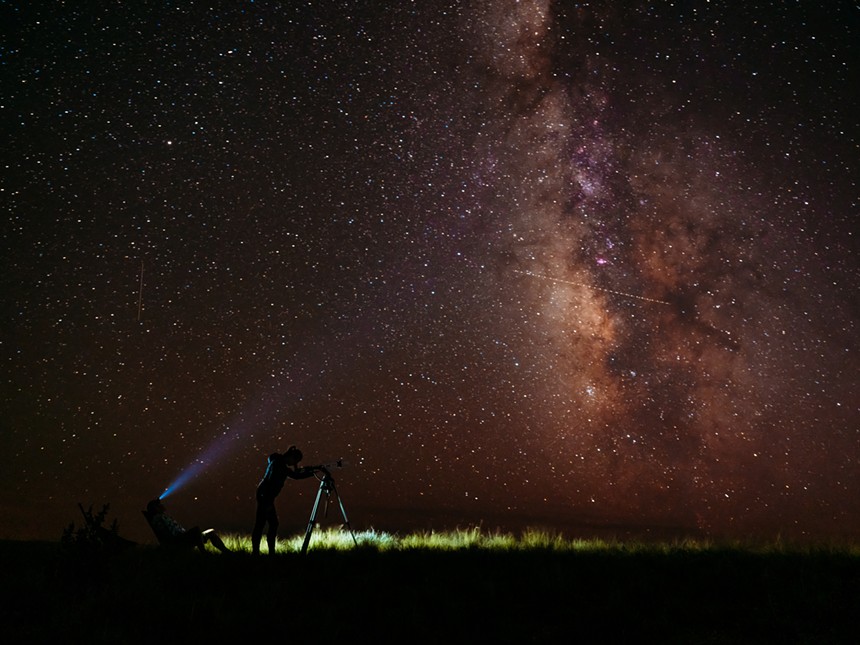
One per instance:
(259, 524)
(209, 535)
(272, 535)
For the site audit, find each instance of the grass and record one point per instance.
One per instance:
(471, 538)
(474, 538)
(456, 586)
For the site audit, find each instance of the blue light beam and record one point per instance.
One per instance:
(304, 381)
(223, 444)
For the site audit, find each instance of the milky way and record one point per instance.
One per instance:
(519, 263)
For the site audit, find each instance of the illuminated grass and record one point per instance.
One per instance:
(474, 538)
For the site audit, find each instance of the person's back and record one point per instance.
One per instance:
(166, 529)
(277, 471)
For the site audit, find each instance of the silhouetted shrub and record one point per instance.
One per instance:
(86, 550)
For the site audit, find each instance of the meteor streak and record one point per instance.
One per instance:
(140, 294)
(591, 286)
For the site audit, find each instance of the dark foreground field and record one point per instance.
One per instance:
(149, 595)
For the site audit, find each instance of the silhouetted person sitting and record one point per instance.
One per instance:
(171, 533)
(280, 467)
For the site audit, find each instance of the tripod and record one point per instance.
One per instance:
(328, 488)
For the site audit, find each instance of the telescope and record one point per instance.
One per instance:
(330, 465)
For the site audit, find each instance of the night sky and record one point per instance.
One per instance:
(554, 264)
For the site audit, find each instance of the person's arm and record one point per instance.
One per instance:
(301, 473)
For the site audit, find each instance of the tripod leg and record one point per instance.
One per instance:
(312, 521)
(343, 514)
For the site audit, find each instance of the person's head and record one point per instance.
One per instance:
(155, 507)
(293, 456)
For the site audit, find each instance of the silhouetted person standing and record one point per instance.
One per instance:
(279, 468)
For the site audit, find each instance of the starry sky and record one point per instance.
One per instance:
(519, 263)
